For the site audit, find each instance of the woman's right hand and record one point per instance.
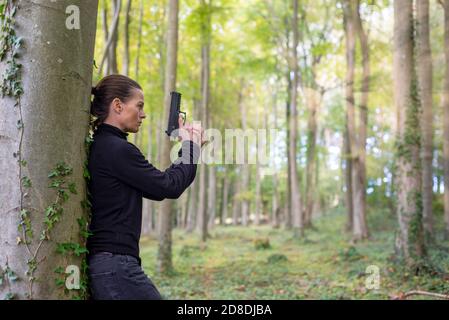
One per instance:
(188, 132)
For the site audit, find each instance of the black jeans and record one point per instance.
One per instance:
(119, 277)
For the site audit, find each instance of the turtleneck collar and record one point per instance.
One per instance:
(104, 127)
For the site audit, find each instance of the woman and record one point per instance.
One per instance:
(119, 178)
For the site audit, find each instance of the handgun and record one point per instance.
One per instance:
(173, 118)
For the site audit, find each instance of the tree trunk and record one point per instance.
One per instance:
(409, 241)
(244, 186)
(106, 34)
(313, 101)
(348, 182)
(359, 165)
(110, 50)
(43, 125)
(126, 39)
(212, 196)
(295, 199)
(236, 203)
(356, 142)
(446, 118)
(114, 36)
(224, 206)
(166, 209)
(275, 198)
(148, 205)
(205, 95)
(287, 211)
(192, 212)
(424, 66)
(139, 42)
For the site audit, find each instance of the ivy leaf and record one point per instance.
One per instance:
(59, 282)
(60, 270)
(9, 296)
(72, 188)
(80, 250)
(26, 182)
(11, 275)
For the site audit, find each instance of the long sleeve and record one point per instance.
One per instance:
(131, 167)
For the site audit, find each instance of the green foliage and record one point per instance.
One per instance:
(25, 223)
(276, 258)
(350, 254)
(10, 44)
(323, 268)
(71, 248)
(262, 244)
(26, 182)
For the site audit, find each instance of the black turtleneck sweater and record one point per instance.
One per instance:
(119, 177)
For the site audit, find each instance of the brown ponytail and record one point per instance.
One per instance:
(109, 88)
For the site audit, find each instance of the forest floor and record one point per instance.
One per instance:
(234, 264)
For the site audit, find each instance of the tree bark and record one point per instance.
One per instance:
(166, 210)
(236, 203)
(244, 186)
(53, 113)
(212, 196)
(424, 66)
(348, 182)
(224, 206)
(139, 42)
(275, 198)
(126, 39)
(445, 104)
(295, 199)
(106, 34)
(148, 205)
(205, 95)
(313, 99)
(409, 240)
(359, 178)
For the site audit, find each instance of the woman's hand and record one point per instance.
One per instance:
(188, 132)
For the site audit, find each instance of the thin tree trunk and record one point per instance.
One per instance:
(424, 66)
(166, 210)
(359, 165)
(287, 211)
(244, 167)
(445, 105)
(312, 102)
(139, 42)
(236, 203)
(114, 43)
(409, 240)
(192, 212)
(126, 39)
(212, 196)
(111, 43)
(106, 35)
(275, 198)
(359, 230)
(348, 182)
(224, 206)
(205, 94)
(295, 199)
(148, 205)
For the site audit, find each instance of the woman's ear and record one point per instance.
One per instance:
(117, 105)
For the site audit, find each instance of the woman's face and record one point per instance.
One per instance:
(132, 116)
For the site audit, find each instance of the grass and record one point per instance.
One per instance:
(237, 264)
